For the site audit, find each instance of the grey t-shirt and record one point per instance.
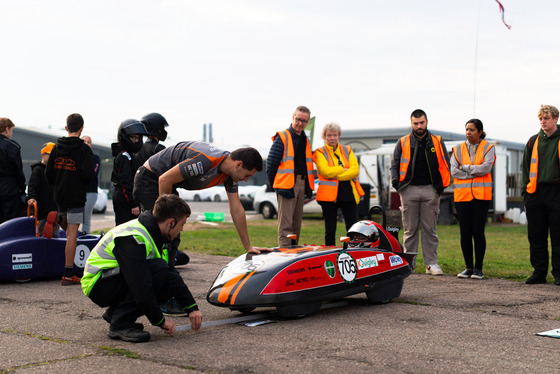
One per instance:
(198, 162)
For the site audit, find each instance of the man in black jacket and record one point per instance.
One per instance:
(69, 169)
(127, 272)
(289, 167)
(420, 173)
(12, 179)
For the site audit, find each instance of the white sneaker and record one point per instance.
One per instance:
(434, 270)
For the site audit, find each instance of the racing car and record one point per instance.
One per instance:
(297, 279)
(24, 255)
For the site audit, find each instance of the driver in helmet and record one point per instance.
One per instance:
(364, 234)
(129, 137)
(155, 126)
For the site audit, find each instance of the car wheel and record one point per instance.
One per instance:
(217, 198)
(196, 197)
(268, 211)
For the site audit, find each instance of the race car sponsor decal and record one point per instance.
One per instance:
(190, 170)
(347, 267)
(200, 168)
(247, 266)
(330, 269)
(395, 260)
(22, 257)
(81, 256)
(367, 262)
(380, 257)
(295, 271)
(22, 266)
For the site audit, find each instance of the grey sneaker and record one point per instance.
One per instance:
(434, 270)
(467, 273)
(477, 274)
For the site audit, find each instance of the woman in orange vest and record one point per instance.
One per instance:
(471, 166)
(338, 181)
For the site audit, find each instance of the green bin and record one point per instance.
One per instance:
(214, 216)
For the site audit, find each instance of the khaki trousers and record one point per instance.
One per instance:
(290, 214)
(420, 210)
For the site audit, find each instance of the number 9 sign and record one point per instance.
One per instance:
(347, 267)
(82, 254)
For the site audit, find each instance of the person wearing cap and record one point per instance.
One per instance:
(40, 191)
(12, 179)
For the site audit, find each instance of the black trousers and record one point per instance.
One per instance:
(121, 207)
(472, 220)
(10, 207)
(543, 216)
(146, 188)
(330, 215)
(113, 292)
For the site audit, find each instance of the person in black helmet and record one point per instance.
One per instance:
(155, 126)
(129, 137)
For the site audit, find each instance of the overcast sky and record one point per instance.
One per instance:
(245, 65)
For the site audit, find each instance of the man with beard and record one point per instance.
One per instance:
(420, 173)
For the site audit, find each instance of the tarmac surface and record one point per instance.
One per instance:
(438, 325)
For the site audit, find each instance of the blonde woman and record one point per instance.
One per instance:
(338, 184)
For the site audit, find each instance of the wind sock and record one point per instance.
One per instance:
(502, 13)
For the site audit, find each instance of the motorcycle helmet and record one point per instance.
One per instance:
(155, 125)
(364, 234)
(131, 127)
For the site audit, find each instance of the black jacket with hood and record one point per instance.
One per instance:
(70, 168)
(124, 169)
(41, 190)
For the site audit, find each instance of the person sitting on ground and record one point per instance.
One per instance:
(128, 273)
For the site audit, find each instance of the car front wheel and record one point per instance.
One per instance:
(268, 211)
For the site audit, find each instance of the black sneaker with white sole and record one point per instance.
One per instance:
(477, 274)
(465, 273)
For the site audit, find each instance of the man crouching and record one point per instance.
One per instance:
(127, 272)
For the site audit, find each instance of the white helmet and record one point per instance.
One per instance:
(364, 234)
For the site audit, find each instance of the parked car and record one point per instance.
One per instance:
(194, 195)
(266, 203)
(101, 202)
(218, 193)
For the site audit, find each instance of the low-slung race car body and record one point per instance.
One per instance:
(297, 279)
(25, 256)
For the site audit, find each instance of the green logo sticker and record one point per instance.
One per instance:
(329, 267)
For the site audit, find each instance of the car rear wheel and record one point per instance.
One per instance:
(217, 198)
(268, 211)
(196, 197)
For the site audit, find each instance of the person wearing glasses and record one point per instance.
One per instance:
(289, 168)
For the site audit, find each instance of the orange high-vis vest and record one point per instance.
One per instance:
(328, 188)
(479, 188)
(443, 168)
(534, 167)
(285, 177)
